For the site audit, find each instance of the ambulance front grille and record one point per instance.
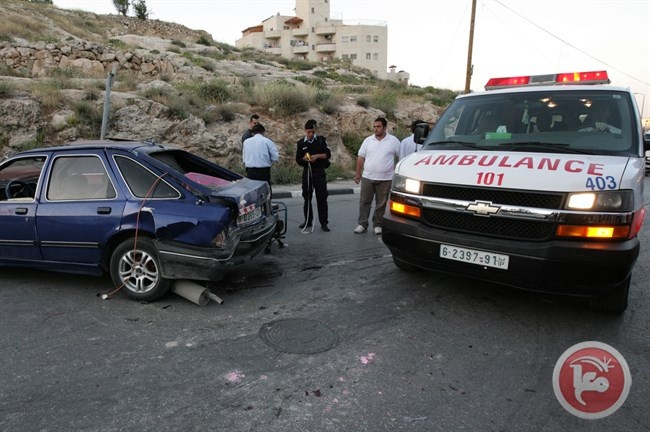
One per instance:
(543, 200)
(489, 226)
(492, 226)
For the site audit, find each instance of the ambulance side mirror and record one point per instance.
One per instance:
(421, 132)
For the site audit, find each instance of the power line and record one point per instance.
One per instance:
(571, 45)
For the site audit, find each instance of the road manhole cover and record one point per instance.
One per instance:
(298, 336)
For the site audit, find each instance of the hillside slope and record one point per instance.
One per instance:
(177, 85)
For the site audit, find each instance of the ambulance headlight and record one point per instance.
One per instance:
(601, 201)
(405, 184)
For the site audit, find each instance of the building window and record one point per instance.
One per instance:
(353, 56)
(375, 56)
(353, 38)
(312, 30)
(375, 73)
(345, 56)
(345, 39)
(376, 38)
(367, 56)
(368, 38)
(312, 10)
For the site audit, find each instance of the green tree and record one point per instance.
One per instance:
(140, 9)
(122, 6)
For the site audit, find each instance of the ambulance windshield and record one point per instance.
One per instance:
(581, 121)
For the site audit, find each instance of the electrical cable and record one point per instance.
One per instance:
(308, 194)
(137, 227)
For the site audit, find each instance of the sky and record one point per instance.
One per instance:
(429, 39)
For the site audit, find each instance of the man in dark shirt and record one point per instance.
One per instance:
(254, 120)
(313, 154)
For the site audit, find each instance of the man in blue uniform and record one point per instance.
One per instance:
(313, 154)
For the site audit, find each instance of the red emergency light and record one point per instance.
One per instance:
(594, 77)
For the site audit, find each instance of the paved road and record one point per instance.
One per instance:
(385, 350)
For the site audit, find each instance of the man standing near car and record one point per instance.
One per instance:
(254, 119)
(313, 155)
(258, 154)
(375, 166)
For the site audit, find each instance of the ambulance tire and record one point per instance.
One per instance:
(615, 301)
(404, 266)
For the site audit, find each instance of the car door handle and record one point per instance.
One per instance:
(21, 210)
(104, 210)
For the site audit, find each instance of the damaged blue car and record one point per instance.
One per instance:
(144, 212)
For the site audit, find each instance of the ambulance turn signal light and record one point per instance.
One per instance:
(593, 232)
(405, 209)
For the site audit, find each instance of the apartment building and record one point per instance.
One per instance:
(312, 35)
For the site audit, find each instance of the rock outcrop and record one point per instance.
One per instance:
(149, 51)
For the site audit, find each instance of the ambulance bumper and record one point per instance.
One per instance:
(563, 267)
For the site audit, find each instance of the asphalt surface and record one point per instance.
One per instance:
(336, 187)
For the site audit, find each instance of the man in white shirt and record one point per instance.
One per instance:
(258, 154)
(408, 146)
(375, 166)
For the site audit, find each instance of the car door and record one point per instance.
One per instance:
(81, 209)
(20, 180)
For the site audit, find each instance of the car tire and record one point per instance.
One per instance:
(404, 266)
(135, 268)
(615, 301)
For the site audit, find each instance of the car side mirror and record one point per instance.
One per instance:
(420, 133)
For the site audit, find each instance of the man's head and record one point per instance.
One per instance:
(600, 111)
(310, 129)
(255, 119)
(414, 124)
(258, 129)
(379, 127)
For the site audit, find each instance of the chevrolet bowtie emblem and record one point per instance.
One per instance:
(483, 208)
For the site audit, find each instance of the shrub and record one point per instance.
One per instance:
(6, 89)
(282, 98)
(352, 141)
(204, 41)
(89, 117)
(215, 91)
(363, 102)
(385, 101)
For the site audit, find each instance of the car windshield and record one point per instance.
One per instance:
(552, 121)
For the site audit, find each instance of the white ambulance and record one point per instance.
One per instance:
(535, 183)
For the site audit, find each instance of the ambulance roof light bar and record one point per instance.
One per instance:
(594, 77)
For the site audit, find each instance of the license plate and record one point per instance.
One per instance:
(250, 216)
(487, 259)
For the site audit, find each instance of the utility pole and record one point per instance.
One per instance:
(107, 101)
(468, 74)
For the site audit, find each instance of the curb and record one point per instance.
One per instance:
(298, 193)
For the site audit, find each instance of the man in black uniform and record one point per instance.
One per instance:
(313, 154)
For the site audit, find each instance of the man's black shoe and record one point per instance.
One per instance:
(325, 228)
(304, 225)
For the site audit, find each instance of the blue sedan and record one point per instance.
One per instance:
(145, 213)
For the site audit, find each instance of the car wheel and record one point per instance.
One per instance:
(615, 301)
(136, 269)
(404, 266)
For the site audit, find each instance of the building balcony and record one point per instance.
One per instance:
(300, 31)
(273, 34)
(326, 47)
(301, 49)
(274, 50)
(325, 30)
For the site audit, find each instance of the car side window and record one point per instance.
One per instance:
(19, 178)
(143, 183)
(79, 178)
